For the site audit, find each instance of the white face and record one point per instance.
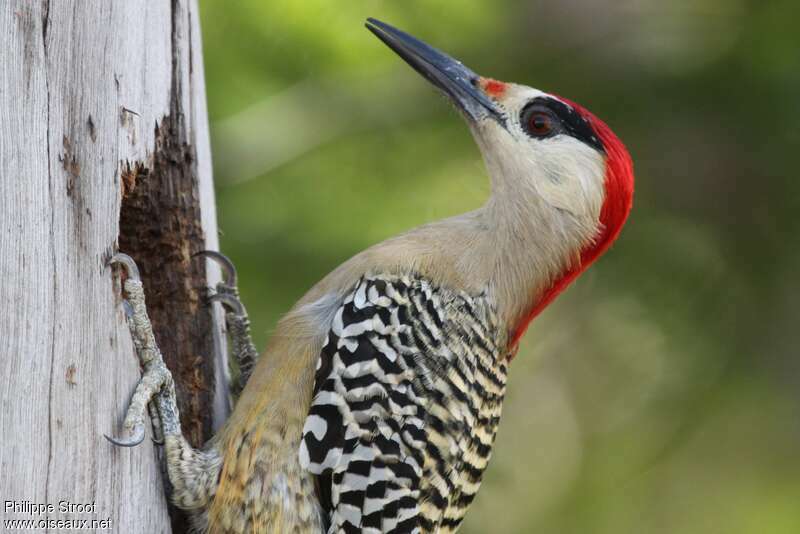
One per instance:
(565, 172)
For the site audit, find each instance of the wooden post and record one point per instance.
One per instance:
(103, 145)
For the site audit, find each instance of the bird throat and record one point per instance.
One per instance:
(614, 212)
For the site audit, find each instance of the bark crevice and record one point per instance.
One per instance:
(54, 317)
(160, 227)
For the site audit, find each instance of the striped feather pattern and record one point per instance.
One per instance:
(408, 394)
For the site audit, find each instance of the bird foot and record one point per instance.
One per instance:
(156, 379)
(229, 277)
(236, 319)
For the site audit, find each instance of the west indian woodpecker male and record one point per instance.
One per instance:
(376, 403)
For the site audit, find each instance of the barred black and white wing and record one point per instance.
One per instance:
(407, 400)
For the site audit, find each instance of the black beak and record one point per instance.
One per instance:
(449, 75)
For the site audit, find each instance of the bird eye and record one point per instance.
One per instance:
(538, 122)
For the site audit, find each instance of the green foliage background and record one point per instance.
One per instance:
(660, 393)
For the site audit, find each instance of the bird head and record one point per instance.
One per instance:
(549, 159)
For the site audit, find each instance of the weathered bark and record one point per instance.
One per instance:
(103, 146)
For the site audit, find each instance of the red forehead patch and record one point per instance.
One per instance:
(492, 87)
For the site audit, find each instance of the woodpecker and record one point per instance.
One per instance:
(376, 403)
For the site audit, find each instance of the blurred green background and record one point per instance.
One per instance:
(660, 393)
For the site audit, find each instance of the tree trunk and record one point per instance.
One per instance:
(103, 146)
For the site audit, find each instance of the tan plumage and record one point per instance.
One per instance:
(555, 205)
(515, 245)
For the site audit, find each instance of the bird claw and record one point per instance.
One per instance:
(229, 301)
(155, 378)
(228, 269)
(155, 419)
(131, 272)
(131, 269)
(136, 437)
(227, 293)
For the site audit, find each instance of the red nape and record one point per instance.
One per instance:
(614, 212)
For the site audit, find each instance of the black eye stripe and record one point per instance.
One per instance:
(571, 122)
